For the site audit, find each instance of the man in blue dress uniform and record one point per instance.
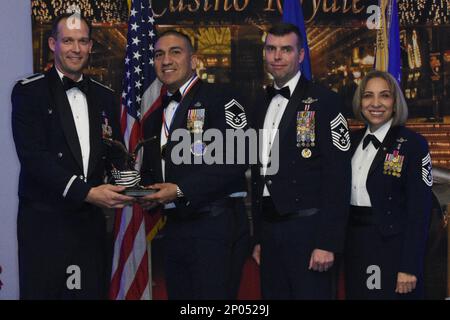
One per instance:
(301, 206)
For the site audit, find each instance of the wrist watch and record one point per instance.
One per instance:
(180, 193)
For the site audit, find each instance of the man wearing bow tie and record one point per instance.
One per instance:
(59, 119)
(206, 235)
(300, 209)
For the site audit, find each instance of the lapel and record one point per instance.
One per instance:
(259, 122)
(179, 120)
(154, 123)
(61, 103)
(388, 141)
(95, 130)
(356, 138)
(261, 113)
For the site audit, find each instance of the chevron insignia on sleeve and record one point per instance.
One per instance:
(427, 175)
(235, 115)
(339, 133)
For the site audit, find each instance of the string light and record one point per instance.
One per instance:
(411, 12)
(439, 12)
(110, 11)
(414, 12)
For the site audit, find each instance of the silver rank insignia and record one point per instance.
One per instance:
(427, 175)
(195, 120)
(235, 115)
(339, 133)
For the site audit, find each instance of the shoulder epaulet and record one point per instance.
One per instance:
(101, 84)
(32, 78)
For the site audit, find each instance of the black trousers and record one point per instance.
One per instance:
(204, 254)
(61, 255)
(367, 250)
(286, 248)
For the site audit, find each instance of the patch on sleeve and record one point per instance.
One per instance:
(427, 175)
(235, 115)
(339, 133)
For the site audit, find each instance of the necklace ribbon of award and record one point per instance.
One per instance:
(166, 125)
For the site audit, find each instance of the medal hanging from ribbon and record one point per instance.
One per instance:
(106, 128)
(393, 164)
(195, 120)
(306, 136)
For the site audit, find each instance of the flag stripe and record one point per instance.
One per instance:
(136, 289)
(126, 246)
(121, 221)
(151, 104)
(133, 251)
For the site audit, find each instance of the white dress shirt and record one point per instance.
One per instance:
(271, 122)
(79, 106)
(361, 162)
(169, 113)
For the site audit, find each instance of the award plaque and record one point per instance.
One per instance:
(129, 177)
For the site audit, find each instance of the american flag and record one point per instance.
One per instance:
(141, 95)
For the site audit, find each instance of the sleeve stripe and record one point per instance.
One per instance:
(68, 185)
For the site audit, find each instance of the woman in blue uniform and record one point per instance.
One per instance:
(390, 199)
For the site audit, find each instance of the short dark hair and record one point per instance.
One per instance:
(284, 28)
(179, 34)
(67, 15)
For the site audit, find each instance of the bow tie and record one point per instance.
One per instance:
(272, 92)
(174, 97)
(69, 84)
(371, 138)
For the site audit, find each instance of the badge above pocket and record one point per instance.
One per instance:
(393, 163)
(305, 132)
(195, 120)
